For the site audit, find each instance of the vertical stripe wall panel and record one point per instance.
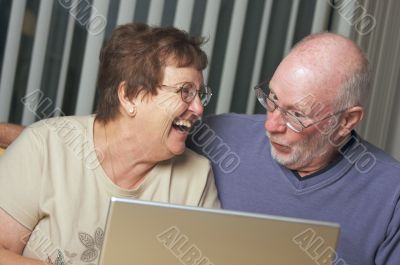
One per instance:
(341, 22)
(262, 39)
(112, 18)
(247, 56)
(87, 86)
(37, 62)
(65, 60)
(5, 12)
(198, 13)
(276, 39)
(10, 57)
(381, 123)
(217, 59)
(126, 11)
(209, 31)
(321, 16)
(168, 15)
(155, 12)
(304, 20)
(141, 11)
(292, 26)
(53, 62)
(232, 55)
(183, 15)
(385, 64)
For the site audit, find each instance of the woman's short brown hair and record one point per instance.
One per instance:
(138, 54)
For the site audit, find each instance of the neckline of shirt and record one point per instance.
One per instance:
(322, 178)
(114, 189)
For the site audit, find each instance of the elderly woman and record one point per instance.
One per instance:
(57, 178)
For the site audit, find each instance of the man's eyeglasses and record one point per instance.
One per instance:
(295, 120)
(189, 91)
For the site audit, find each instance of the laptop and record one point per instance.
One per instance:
(151, 233)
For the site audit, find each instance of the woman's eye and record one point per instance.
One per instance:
(185, 92)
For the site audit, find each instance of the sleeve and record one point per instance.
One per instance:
(209, 198)
(20, 179)
(389, 251)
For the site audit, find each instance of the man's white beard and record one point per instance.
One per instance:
(302, 153)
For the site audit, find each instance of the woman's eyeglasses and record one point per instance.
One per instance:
(189, 91)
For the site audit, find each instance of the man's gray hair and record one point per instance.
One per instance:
(355, 89)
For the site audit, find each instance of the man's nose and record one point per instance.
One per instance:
(275, 123)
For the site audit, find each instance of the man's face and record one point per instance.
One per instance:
(298, 154)
(291, 84)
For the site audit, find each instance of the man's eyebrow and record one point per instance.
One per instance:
(293, 107)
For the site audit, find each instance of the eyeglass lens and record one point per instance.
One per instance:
(263, 96)
(189, 92)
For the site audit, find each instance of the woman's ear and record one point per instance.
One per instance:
(351, 119)
(128, 105)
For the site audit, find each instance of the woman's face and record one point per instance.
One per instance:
(166, 118)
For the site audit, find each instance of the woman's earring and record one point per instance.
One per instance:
(132, 111)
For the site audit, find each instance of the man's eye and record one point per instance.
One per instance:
(273, 97)
(298, 114)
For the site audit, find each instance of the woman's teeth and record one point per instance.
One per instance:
(182, 125)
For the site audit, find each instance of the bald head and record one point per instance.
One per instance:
(321, 84)
(337, 67)
(328, 43)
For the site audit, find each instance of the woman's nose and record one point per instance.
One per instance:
(196, 106)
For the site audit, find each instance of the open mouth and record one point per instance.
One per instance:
(182, 125)
(280, 147)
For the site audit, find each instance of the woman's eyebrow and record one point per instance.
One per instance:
(182, 83)
(191, 83)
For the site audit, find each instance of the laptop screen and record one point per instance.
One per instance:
(149, 233)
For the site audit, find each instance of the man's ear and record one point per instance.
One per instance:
(351, 118)
(128, 105)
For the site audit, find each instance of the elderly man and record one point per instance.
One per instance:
(305, 160)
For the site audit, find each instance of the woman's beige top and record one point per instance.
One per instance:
(52, 183)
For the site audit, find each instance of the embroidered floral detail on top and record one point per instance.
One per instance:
(92, 243)
(59, 259)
